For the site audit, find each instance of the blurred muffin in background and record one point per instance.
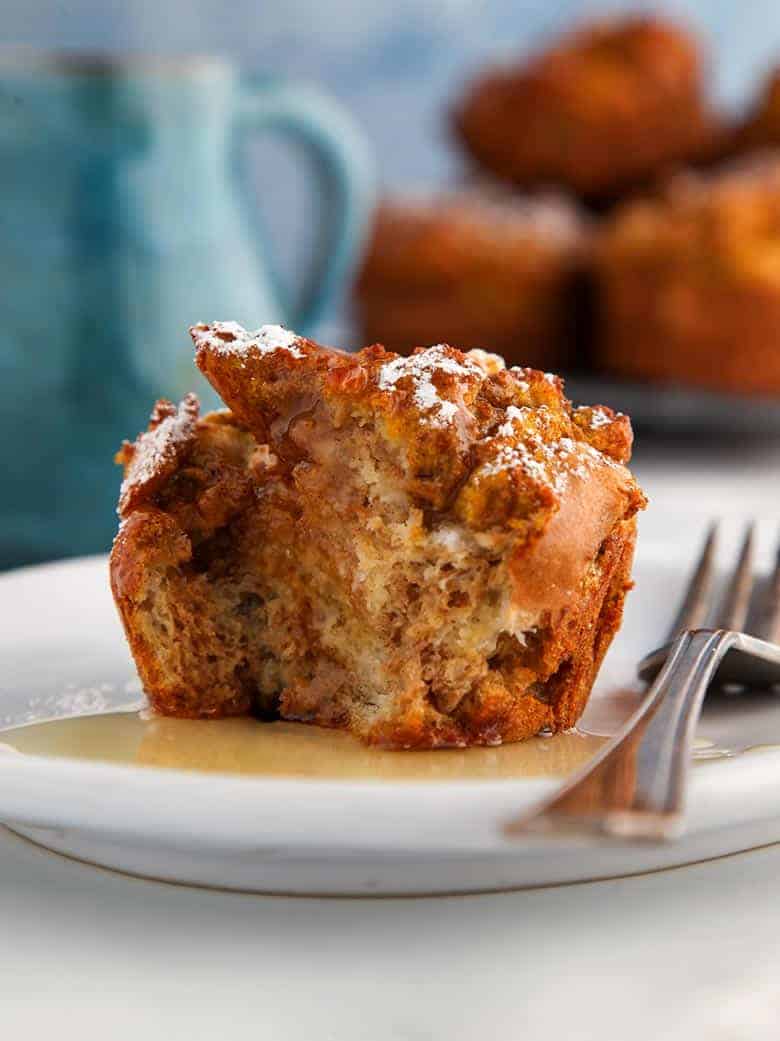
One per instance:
(607, 109)
(478, 269)
(761, 128)
(688, 284)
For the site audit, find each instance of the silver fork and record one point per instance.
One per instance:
(635, 786)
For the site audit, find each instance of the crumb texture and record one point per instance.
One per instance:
(427, 551)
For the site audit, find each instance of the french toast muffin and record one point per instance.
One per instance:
(608, 108)
(477, 268)
(688, 284)
(426, 551)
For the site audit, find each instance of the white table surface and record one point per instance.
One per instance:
(704, 480)
(687, 954)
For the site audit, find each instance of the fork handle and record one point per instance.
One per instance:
(635, 787)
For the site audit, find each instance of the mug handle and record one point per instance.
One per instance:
(343, 176)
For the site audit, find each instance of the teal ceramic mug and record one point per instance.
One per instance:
(127, 214)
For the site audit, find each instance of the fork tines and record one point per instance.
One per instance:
(735, 604)
(694, 608)
(768, 623)
(734, 607)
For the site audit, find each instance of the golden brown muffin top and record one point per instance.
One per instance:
(606, 108)
(448, 238)
(613, 62)
(609, 69)
(725, 225)
(495, 447)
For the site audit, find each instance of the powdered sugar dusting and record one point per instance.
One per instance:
(233, 339)
(520, 382)
(156, 450)
(151, 447)
(85, 701)
(419, 369)
(513, 413)
(74, 700)
(512, 457)
(600, 418)
(551, 465)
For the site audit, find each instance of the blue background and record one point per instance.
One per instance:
(395, 63)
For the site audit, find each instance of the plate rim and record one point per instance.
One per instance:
(413, 815)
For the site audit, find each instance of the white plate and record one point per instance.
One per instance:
(60, 639)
